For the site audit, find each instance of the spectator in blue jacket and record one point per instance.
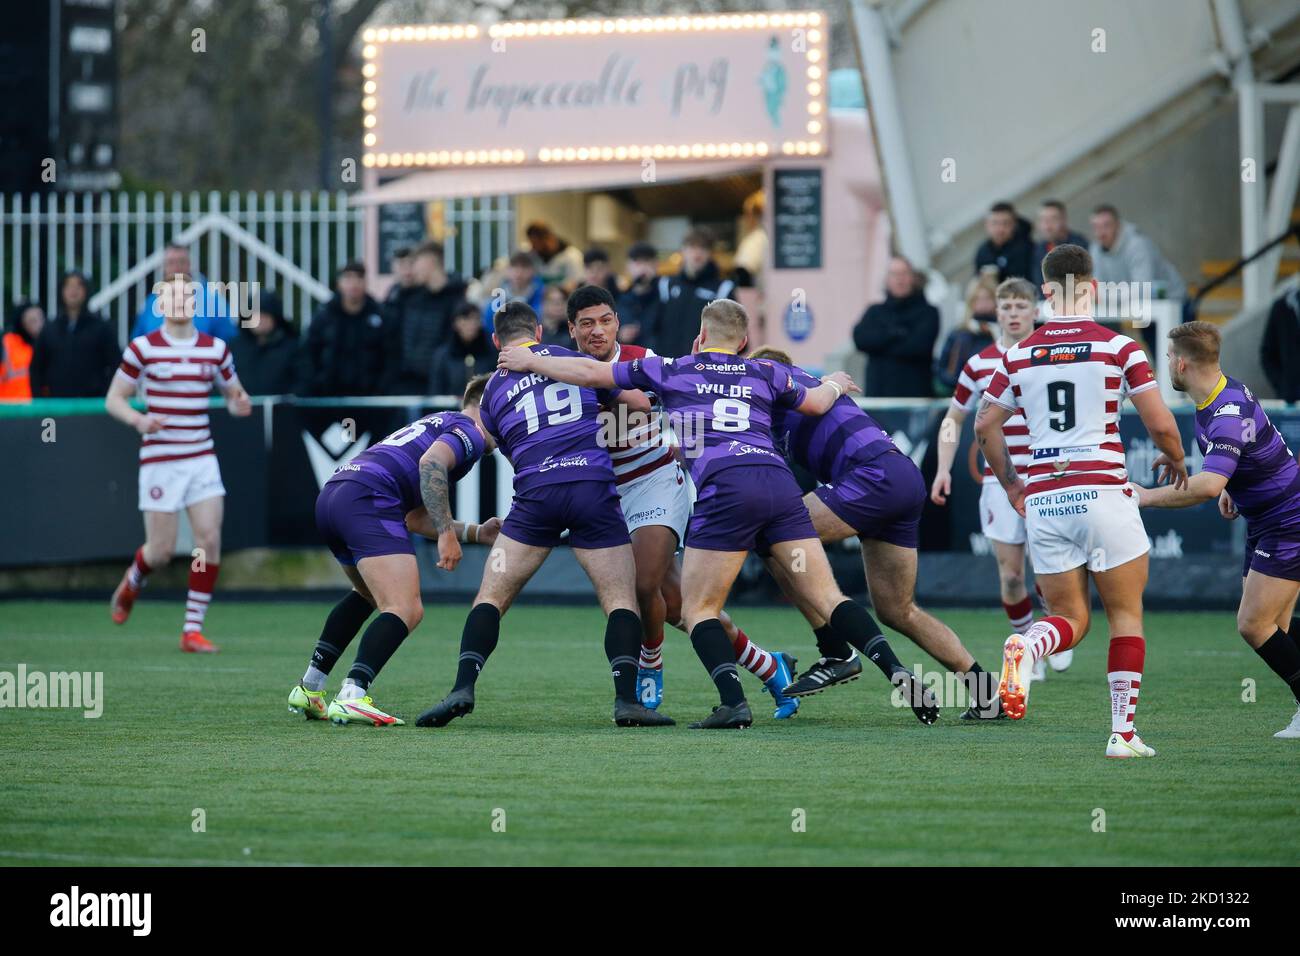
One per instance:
(210, 312)
(522, 285)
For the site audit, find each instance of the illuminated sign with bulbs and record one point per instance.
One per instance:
(725, 86)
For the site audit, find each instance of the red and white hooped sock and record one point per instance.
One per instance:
(753, 658)
(1020, 614)
(1047, 636)
(652, 653)
(138, 571)
(202, 584)
(1124, 665)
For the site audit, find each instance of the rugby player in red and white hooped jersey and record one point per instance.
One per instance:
(656, 499)
(174, 370)
(1069, 378)
(1017, 303)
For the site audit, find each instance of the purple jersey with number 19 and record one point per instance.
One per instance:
(547, 429)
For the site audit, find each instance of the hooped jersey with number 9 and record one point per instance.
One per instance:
(549, 430)
(1069, 378)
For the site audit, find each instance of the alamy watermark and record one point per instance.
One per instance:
(75, 690)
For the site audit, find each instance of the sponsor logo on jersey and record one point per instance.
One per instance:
(1060, 354)
(464, 440)
(550, 463)
(1071, 331)
(1224, 447)
(1227, 408)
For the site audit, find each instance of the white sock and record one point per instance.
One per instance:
(351, 690)
(314, 679)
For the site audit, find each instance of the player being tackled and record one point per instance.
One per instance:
(721, 405)
(563, 481)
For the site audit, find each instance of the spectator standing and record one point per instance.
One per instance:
(559, 262)
(78, 352)
(16, 349)
(470, 352)
(404, 284)
(522, 284)
(898, 336)
(975, 332)
(638, 307)
(682, 297)
(1008, 249)
(1120, 253)
(267, 352)
(1279, 351)
(352, 349)
(210, 312)
(555, 317)
(1053, 230)
(596, 271)
(423, 321)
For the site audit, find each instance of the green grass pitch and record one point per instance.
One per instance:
(540, 755)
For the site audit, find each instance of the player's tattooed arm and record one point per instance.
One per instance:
(435, 492)
(993, 443)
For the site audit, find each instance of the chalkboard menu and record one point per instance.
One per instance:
(400, 224)
(797, 218)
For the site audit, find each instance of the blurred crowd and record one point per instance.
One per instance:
(431, 333)
(433, 330)
(900, 333)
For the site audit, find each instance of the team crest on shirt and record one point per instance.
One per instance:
(1227, 408)
(1060, 354)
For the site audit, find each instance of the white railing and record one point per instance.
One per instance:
(107, 235)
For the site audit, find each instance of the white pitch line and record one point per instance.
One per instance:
(138, 860)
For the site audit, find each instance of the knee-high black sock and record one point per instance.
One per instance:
(622, 646)
(477, 641)
(828, 645)
(1283, 657)
(1294, 633)
(384, 636)
(719, 658)
(851, 622)
(340, 628)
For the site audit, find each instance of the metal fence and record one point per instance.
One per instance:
(287, 241)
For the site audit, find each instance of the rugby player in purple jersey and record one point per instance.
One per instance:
(871, 490)
(1249, 469)
(721, 407)
(550, 432)
(365, 512)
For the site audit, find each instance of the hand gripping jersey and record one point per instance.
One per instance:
(548, 430)
(175, 378)
(720, 406)
(1069, 378)
(975, 377)
(1240, 443)
(392, 466)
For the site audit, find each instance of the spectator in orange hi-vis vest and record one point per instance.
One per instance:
(16, 352)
